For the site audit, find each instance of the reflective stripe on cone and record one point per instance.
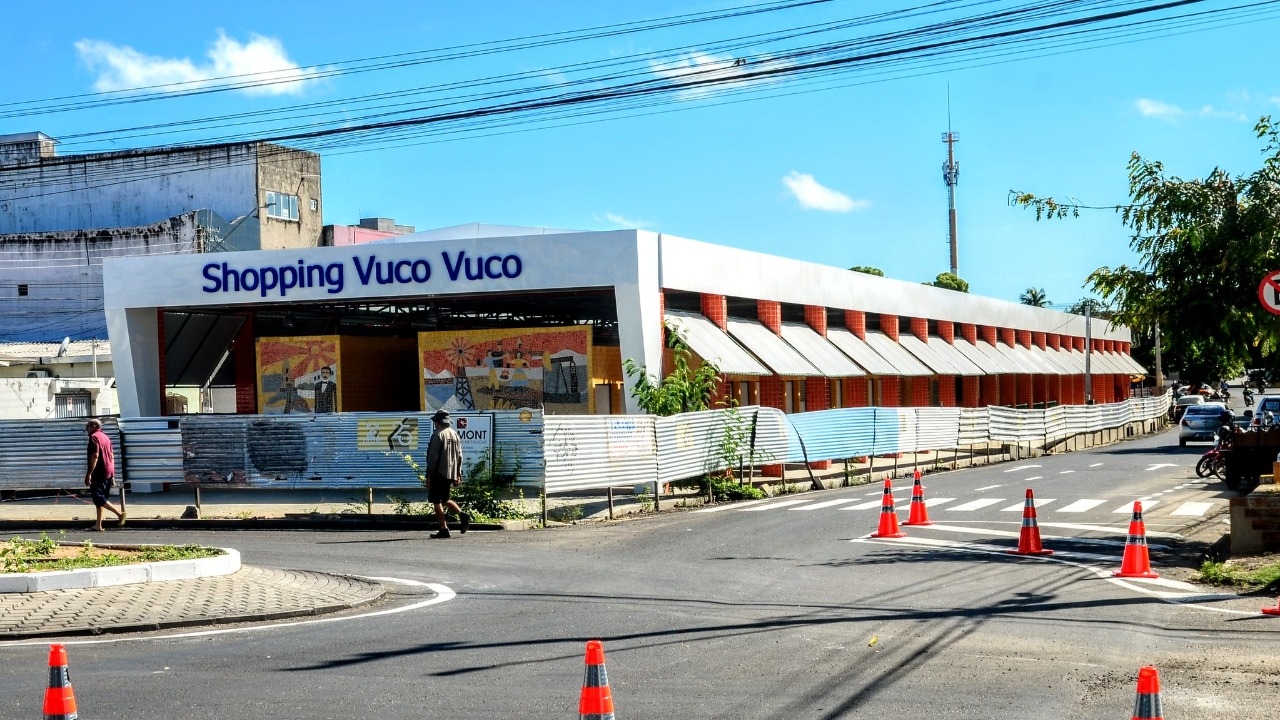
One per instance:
(888, 515)
(1147, 704)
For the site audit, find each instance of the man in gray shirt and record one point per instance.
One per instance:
(444, 471)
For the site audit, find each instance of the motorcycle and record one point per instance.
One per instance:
(1214, 462)
(1248, 398)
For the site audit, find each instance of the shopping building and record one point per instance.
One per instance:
(487, 317)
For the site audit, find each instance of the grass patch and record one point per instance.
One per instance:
(1259, 574)
(20, 555)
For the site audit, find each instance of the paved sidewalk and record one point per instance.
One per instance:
(250, 594)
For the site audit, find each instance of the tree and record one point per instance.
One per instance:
(949, 281)
(1096, 308)
(684, 390)
(1034, 297)
(1203, 245)
(868, 270)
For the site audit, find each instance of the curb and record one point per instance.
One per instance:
(225, 564)
(324, 522)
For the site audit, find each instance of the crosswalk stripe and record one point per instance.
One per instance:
(1128, 508)
(863, 506)
(1080, 506)
(1195, 509)
(827, 504)
(1040, 502)
(976, 504)
(733, 506)
(986, 487)
(771, 506)
(930, 502)
(1065, 472)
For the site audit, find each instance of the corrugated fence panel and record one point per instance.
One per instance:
(907, 440)
(887, 431)
(584, 452)
(152, 450)
(937, 428)
(1005, 424)
(1093, 418)
(774, 437)
(693, 444)
(973, 426)
(1055, 422)
(517, 442)
(47, 454)
(836, 434)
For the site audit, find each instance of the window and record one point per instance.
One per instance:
(22, 290)
(282, 206)
(315, 205)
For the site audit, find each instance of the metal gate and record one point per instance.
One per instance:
(73, 404)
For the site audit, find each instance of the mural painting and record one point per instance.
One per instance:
(298, 375)
(506, 369)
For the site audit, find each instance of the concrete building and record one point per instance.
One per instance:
(484, 315)
(39, 381)
(369, 230)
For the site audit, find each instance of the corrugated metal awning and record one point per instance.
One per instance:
(955, 357)
(1134, 366)
(904, 363)
(1073, 362)
(975, 355)
(1102, 364)
(772, 350)
(819, 352)
(1006, 362)
(713, 345)
(856, 348)
(1045, 360)
(927, 355)
(1021, 364)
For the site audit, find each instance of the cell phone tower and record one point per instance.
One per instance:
(951, 176)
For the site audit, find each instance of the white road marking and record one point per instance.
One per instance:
(878, 492)
(1096, 465)
(1021, 467)
(1127, 509)
(864, 506)
(443, 594)
(1034, 477)
(1080, 506)
(1111, 529)
(1065, 472)
(1194, 509)
(771, 506)
(930, 502)
(975, 505)
(827, 504)
(731, 506)
(987, 487)
(1040, 502)
(1157, 466)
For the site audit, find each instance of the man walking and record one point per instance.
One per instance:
(444, 471)
(100, 472)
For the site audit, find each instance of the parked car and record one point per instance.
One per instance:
(1266, 404)
(1180, 406)
(1200, 422)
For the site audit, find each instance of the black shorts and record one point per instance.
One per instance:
(100, 490)
(438, 490)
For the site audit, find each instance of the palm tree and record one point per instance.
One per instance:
(1034, 297)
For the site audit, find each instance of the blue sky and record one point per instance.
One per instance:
(846, 176)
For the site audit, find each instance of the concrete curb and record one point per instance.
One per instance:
(225, 564)
(323, 522)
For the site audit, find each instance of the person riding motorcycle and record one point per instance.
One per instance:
(1222, 436)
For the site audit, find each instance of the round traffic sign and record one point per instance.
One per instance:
(1269, 291)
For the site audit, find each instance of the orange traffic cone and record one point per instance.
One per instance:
(1029, 538)
(59, 698)
(596, 701)
(919, 513)
(1272, 611)
(1137, 560)
(1147, 705)
(888, 516)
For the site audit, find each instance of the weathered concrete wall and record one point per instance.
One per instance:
(292, 172)
(1255, 521)
(34, 398)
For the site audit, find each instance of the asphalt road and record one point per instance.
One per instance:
(779, 609)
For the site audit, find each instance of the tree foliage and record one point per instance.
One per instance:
(868, 270)
(1203, 246)
(950, 281)
(1034, 297)
(684, 390)
(1096, 308)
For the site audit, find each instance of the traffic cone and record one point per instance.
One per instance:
(888, 516)
(1137, 560)
(1029, 538)
(596, 701)
(1272, 611)
(59, 698)
(1147, 705)
(919, 513)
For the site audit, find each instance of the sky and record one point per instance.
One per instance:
(849, 175)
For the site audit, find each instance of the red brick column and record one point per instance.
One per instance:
(889, 326)
(1040, 388)
(856, 393)
(947, 390)
(246, 369)
(991, 389)
(769, 313)
(716, 309)
(1040, 340)
(1078, 343)
(919, 389)
(891, 391)
(990, 334)
(947, 331)
(856, 322)
(772, 394)
(1024, 338)
(817, 397)
(1009, 336)
(1055, 341)
(920, 328)
(969, 332)
(164, 365)
(973, 390)
(816, 318)
(1008, 389)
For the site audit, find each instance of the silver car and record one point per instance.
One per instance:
(1200, 422)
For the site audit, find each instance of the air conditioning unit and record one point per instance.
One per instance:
(39, 374)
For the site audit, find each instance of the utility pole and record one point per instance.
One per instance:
(951, 176)
(1088, 353)
(1159, 368)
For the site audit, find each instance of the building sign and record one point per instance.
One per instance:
(389, 434)
(411, 434)
(506, 369)
(362, 270)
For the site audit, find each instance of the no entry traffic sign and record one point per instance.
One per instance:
(1269, 291)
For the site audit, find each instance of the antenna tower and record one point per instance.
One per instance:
(951, 176)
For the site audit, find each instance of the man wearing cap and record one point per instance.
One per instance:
(100, 471)
(444, 471)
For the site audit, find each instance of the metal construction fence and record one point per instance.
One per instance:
(556, 453)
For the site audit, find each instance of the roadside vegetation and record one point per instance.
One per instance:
(485, 492)
(20, 555)
(1262, 573)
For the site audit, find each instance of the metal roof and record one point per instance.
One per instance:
(38, 352)
(904, 362)
(975, 355)
(927, 355)
(819, 351)
(713, 345)
(955, 357)
(772, 350)
(856, 348)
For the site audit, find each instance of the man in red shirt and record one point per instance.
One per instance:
(100, 472)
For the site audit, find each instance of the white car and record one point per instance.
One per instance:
(1200, 421)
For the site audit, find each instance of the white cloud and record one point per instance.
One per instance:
(1157, 109)
(1211, 111)
(814, 196)
(121, 67)
(628, 223)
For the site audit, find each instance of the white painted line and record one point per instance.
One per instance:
(443, 594)
(1080, 506)
(1040, 502)
(1157, 466)
(1034, 477)
(1194, 509)
(771, 506)
(987, 487)
(1112, 529)
(1065, 472)
(1128, 509)
(930, 502)
(1021, 467)
(730, 506)
(976, 505)
(1096, 465)
(1158, 494)
(878, 492)
(864, 506)
(827, 504)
